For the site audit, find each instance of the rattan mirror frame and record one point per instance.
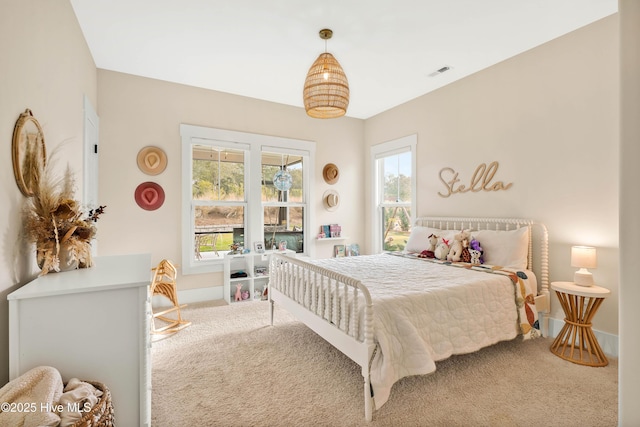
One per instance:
(27, 146)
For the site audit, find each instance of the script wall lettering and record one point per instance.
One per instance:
(481, 180)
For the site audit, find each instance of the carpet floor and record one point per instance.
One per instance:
(231, 368)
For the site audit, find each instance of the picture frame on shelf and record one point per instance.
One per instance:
(338, 251)
(353, 250)
(258, 247)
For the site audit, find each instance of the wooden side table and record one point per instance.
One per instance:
(576, 341)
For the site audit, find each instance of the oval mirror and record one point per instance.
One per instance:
(29, 153)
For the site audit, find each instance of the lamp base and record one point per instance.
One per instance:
(583, 277)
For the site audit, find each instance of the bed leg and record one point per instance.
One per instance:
(545, 323)
(271, 310)
(368, 400)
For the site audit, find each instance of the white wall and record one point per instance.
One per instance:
(629, 370)
(45, 66)
(550, 118)
(137, 111)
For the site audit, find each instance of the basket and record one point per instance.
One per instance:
(101, 415)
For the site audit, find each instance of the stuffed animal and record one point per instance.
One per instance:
(433, 241)
(475, 245)
(476, 256)
(457, 245)
(442, 249)
(426, 254)
(429, 252)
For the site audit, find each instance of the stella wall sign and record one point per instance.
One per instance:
(481, 180)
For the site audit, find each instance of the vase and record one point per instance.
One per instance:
(67, 256)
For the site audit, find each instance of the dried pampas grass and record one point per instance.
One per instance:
(55, 222)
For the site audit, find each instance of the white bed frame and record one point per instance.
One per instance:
(294, 284)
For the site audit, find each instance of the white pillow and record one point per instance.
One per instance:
(504, 248)
(419, 237)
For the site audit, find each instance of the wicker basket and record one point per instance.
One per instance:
(101, 415)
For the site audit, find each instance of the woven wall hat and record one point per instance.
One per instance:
(152, 160)
(149, 196)
(331, 200)
(330, 173)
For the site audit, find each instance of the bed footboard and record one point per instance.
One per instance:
(335, 306)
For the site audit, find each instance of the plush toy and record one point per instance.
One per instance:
(457, 245)
(433, 241)
(475, 245)
(429, 252)
(476, 256)
(238, 296)
(426, 254)
(442, 249)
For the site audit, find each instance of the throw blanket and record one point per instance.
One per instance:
(29, 400)
(78, 397)
(427, 311)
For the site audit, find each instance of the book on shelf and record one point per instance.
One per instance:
(330, 230)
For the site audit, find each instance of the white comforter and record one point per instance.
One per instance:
(426, 312)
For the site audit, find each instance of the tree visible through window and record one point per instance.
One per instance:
(396, 206)
(394, 177)
(283, 201)
(218, 197)
(241, 189)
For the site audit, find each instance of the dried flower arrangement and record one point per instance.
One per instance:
(55, 222)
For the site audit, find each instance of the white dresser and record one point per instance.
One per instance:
(92, 324)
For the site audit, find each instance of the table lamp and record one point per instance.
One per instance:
(583, 257)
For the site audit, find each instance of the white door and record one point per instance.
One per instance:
(90, 161)
(90, 172)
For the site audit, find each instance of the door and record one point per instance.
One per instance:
(90, 161)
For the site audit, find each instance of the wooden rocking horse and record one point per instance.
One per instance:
(164, 283)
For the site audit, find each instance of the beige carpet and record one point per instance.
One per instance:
(230, 368)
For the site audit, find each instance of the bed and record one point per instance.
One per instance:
(397, 314)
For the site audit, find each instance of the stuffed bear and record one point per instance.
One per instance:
(442, 249)
(456, 246)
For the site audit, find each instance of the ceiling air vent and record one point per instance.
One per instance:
(440, 71)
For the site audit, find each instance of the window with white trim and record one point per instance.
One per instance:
(394, 198)
(238, 189)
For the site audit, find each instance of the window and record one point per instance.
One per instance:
(218, 197)
(393, 166)
(238, 189)
(283, 200)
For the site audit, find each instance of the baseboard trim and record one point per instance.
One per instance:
(608, 342)
(190, 296)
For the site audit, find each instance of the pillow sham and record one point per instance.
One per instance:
(505, 248)
(419, 237)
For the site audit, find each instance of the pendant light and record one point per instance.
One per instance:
(326, 89)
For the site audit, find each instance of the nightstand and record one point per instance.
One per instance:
(576, 341)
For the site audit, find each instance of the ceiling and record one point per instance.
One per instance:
(390, 50)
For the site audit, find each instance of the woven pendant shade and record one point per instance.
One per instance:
(326, 89)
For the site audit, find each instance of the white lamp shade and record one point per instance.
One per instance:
(583, 257)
